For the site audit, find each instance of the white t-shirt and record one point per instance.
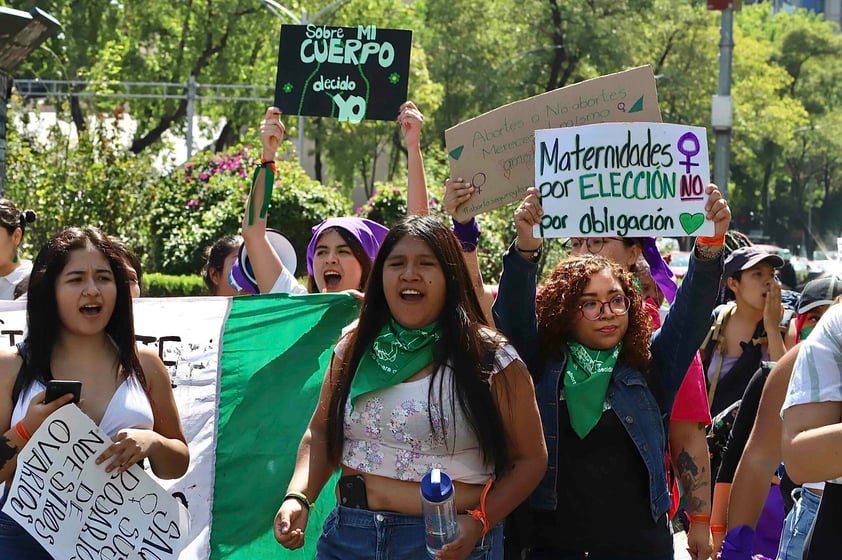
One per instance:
(9, 282)
(287, 284)
(817, 374)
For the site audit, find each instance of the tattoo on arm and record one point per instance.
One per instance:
(691, 480)
(7, 451)
(686, 464)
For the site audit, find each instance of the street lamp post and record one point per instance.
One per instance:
(22, 33)
(285, 14)
(722, 109)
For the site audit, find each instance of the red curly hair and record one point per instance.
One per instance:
(557, 310)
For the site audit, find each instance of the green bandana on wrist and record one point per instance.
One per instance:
(395, 355)
(586, 377)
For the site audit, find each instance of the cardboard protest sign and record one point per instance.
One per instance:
(496, 150)
(342, 72)
(78, 511)
(626, 180)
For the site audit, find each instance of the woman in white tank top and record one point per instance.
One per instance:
(79, 315)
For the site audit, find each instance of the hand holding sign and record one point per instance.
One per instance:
(717, 210)
(271, 133)
(128, 448)
(527, 217)
(456, 193)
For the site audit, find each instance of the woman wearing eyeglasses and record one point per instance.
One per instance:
(687, 454)
(604, 387)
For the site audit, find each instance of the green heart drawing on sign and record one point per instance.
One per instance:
(691, 222)
(456, 153)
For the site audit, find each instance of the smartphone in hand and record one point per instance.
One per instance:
(59, 387)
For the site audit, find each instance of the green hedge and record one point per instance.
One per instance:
(167, 285)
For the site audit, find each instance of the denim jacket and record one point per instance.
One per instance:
(642, 409)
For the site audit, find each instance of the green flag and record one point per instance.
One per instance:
(275, 350)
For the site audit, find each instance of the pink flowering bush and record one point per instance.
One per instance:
(205, 199)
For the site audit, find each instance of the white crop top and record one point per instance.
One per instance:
(129, 407)
(388, 433)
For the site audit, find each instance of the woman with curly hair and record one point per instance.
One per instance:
(605, 386)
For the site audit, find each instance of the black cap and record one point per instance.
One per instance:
(747, 257)
(818, 292)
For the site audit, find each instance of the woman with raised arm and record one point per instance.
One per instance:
(341, 250)
(81, 327)
(605, 387)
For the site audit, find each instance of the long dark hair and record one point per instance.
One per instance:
(42, 308)
(462, 345)
(358, 252)
(556, 309)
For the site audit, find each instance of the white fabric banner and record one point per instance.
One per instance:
(186, 332)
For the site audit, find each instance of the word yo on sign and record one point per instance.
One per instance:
(342, 72)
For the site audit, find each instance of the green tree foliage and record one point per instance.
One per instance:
(786, 143)
(217, 41)
(469, 57)
(78, 180)
(205, 200)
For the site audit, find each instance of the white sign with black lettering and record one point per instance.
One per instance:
(77, 511)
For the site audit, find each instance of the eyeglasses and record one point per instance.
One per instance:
(593, 244)
(593, 310)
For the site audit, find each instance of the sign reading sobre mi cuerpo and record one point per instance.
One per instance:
(349, 73)
(623, 179)
(77, 511)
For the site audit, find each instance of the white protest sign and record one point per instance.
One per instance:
(622, 179)
(78, 511)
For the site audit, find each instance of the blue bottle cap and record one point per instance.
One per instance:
(436, 486)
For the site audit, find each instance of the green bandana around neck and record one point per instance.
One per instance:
(586, 377)
(395, 355)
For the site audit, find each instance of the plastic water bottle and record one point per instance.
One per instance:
(439, 506)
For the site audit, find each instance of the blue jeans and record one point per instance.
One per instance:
(797, 524)
(15, 542)
(351, 534)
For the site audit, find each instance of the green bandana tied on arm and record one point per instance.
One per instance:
(586, 377)
(395, 356)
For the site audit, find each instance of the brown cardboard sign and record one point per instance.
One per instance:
(496, 150)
